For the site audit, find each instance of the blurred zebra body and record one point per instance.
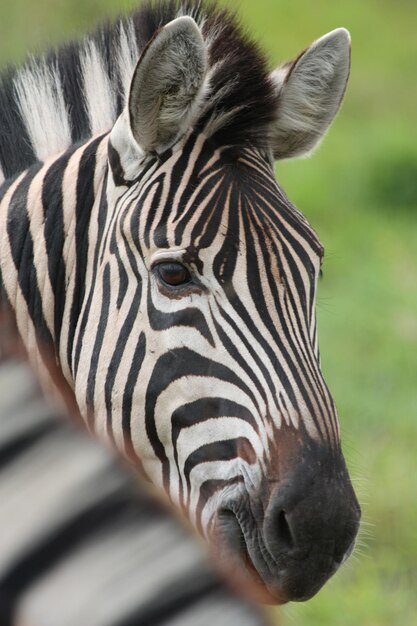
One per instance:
(81, 542)
(159, 260)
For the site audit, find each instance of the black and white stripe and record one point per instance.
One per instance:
(212, 388)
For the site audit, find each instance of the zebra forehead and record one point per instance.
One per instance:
(221, 194)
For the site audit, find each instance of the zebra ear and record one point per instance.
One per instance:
(310, 91)
(167, 85)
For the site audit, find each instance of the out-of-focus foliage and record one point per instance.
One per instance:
(360, 193)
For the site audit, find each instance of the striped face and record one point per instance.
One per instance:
(214, 310)
(205, 347)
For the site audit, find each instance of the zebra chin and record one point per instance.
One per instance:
(284, 544)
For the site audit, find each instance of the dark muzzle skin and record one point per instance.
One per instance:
(290, 538)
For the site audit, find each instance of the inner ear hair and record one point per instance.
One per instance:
(309, 91)
(167, 85)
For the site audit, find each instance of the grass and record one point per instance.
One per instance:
(360, 193)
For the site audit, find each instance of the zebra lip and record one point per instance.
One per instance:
(235, 558)
(267, 596)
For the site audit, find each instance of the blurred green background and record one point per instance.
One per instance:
(360, 193)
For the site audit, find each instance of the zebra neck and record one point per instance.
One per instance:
(45, 216)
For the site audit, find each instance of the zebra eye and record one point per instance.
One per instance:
(173, 274)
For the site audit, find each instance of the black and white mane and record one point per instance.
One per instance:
(78, 91)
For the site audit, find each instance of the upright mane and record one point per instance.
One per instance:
(78, 90)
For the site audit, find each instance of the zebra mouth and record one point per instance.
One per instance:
(244, 564)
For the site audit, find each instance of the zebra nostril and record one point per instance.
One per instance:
(284, 533)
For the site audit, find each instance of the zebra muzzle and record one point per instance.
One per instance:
(306, 532)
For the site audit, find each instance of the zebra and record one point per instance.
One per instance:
(84, 542)
(146, 242)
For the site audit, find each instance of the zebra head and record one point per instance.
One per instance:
(201, 306)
